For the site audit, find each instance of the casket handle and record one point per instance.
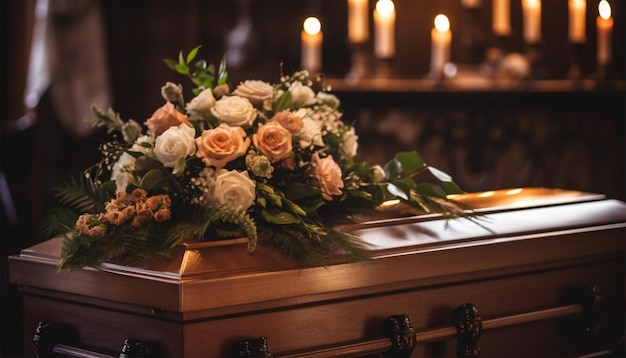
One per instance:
(467, 327)
(46, 343)
(398, 341)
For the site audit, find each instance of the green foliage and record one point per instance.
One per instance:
(201, 74)
(109, 119)
(83, 195)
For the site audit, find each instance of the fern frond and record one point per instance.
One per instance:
(83, 195)
(203, 220)
(57, 221)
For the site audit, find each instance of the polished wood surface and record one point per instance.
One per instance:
(535, 247)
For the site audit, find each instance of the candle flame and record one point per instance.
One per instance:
(385, 7)
(604, 9)
(312, 25)
(442, 24)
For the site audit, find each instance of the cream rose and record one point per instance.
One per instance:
(327, 175)
(349, 143)
(289, 121)
(164, 118)
(234, 189)
(273, 141)
(122, 170)
(220, 145)
(302, 95)
(310, 134)
(175, 143)
(234, 110)
(200, 106)
(255, 91)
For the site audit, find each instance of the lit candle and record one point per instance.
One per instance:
(358, 26)
(604, 23)
(501, 22)
(470, 3)
(577, 11)
(531, 11)
(311, 44)
(441, 37)
(384, 27)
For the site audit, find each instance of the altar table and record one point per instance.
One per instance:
(541, 273)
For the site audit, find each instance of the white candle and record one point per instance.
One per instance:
(531, 12)
(384, 28)
(441, 37)
(577, 12)
(358, 24)
(604, 23)
(501, 22)
(311, 44)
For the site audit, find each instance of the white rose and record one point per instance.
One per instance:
(235, 111)
(200, 106)
(255, 91)
(310, 134)
(175, 143)
(234, 188)
(349, 143)
(302, 95)
(122, 170)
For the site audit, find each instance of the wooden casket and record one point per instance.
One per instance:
(542, 274)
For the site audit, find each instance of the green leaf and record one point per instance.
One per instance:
(182, 69)
(200, 65)
(440, 175)
(410, 162)
(393, 169)
(170, 63)
(181, 163)
(281, 218)
(429, 189)
(192, 54)
(284, 102)
(153, 179)
(451, 188)
(296, 209)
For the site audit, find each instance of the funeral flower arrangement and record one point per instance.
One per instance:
(273, 162)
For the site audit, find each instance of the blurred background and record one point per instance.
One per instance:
(508, 113)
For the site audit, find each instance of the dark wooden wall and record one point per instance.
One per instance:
(486, 139)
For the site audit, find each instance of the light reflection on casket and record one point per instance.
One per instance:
(529, 248)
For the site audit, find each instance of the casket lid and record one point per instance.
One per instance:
(222, 277)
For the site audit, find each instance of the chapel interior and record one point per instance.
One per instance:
(504, 114)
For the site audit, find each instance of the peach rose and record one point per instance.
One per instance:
(164, 118)
(289, 121)
(327, 175)
(273, 141)
(220, 145)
